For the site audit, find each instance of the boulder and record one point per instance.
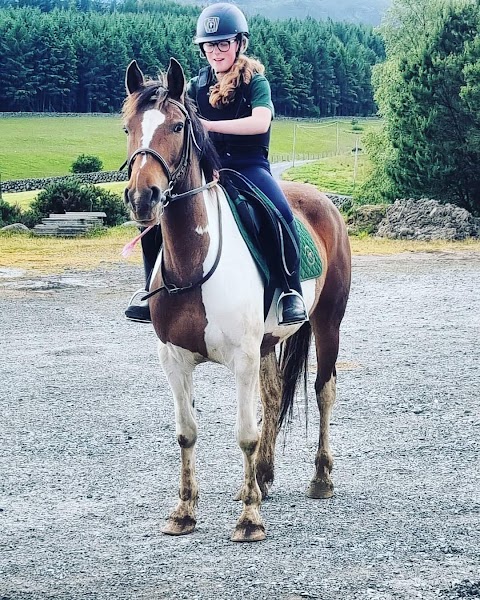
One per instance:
(427, 219)
(15, 227)
(365, 218)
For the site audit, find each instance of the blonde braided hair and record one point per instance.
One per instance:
(242, 71)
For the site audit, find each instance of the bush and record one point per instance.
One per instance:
(9, 213)
(71, 195)
(112, 204)
(86, 163)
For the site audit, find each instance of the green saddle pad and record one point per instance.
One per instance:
(310, 261)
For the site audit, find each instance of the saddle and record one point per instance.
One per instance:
(265, 233)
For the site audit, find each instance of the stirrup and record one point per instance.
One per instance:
(280, 299)
(138, 310)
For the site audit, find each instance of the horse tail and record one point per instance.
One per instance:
(293, 363)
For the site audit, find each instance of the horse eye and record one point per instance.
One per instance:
(125, 130)
(178, 127)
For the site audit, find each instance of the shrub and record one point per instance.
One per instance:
(112, 204)
(356, 125)
(9, 213)
(86, 163)
(71, 195)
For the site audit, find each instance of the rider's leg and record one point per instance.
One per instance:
(138, 310)
(293, 307)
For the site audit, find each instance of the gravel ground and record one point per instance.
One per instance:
(90, 464)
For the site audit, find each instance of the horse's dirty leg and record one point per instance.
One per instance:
(271, 395)
(321, 485)
(178, 369)
(249, 527)
(182, 520)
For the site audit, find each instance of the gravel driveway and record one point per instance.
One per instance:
(89, 461)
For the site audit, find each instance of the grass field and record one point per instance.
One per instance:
(46, 146)
(334, 174)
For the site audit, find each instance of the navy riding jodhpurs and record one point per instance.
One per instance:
(259, 173)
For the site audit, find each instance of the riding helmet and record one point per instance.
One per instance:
(220, 21)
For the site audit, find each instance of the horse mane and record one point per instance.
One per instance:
(154, 93)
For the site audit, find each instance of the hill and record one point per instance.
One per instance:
(352, 11)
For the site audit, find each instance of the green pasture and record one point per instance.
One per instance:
(46, 146)
(334, 174)
(317, 139)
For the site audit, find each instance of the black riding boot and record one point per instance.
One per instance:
(138, 309)
(292, 305)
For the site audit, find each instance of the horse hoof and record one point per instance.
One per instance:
(320, 490)
(179, 526)
(248, 533)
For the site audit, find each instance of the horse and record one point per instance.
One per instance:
(207, 299)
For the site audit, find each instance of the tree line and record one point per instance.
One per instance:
(428, 91)
(66, 56)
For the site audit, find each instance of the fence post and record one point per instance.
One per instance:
(355, 162)
(294, 143)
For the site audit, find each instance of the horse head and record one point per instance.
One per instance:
(165, 138)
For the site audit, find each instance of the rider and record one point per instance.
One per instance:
(234, 103)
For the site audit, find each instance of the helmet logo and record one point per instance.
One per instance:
(211, 24)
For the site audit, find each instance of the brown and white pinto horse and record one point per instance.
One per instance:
(210, 305)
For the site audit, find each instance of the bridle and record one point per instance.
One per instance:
(173, 176)
(167, 197)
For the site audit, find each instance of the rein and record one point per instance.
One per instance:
(171, 287)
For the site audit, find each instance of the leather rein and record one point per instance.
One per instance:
(167, 198)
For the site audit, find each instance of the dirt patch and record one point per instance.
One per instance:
(90, 467)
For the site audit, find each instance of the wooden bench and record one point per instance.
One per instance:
(70, 224)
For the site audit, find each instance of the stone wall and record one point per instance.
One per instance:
(25, 185)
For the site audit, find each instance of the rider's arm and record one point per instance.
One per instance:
(261, 117)
(258, 122)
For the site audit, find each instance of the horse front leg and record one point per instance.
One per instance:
(178, 367)
(249, 527)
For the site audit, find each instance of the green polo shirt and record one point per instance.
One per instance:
(261, 94)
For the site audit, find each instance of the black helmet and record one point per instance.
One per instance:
(220, 21)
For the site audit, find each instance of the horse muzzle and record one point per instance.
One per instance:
(145, 204)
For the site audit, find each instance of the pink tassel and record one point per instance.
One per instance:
(129, 247)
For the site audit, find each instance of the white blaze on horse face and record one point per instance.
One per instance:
(152, 119)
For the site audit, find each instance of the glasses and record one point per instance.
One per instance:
(222, 45)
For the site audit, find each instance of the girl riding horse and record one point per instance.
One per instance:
(234, 103)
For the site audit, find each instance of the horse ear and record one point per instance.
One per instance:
(175, 80)
(134, 78)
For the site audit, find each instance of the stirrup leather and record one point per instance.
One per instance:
(280, 299)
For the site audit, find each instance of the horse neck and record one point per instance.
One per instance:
(185, 231)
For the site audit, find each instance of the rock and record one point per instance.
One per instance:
(427, 219)
(343, 203)
(15, 227)
(366, 218)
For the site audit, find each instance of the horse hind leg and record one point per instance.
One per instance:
(182, 519)
(326, 342)
(271, 396)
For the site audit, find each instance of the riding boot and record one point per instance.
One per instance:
(151, 244)
(291, 301)
(138, 309)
